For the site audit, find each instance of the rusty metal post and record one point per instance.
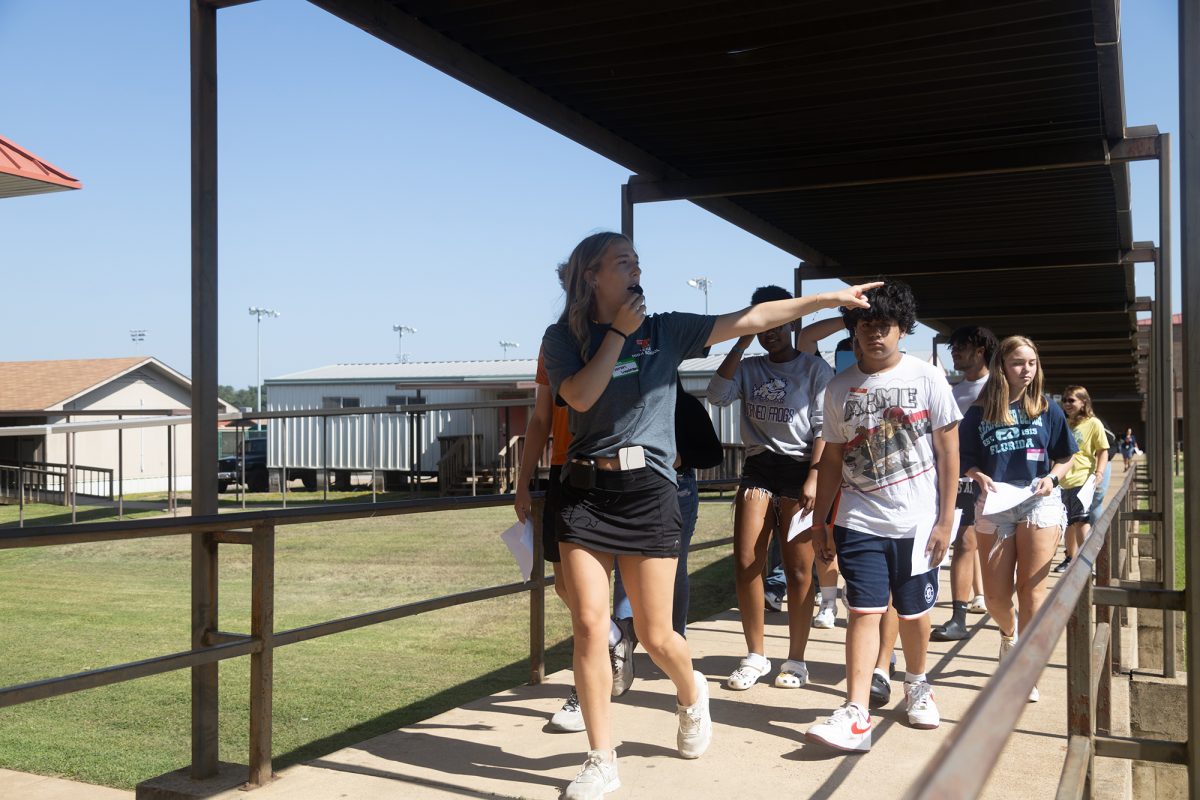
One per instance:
(262, 628)
(1105, 616)
(626, 213)
(1081, 705)
(120, 468)
(537, 598)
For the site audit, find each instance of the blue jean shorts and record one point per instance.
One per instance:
(1038, 512)
(877, 568)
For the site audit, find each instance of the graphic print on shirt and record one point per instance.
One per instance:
(769, 394)
(1023, 434)
(888, 424)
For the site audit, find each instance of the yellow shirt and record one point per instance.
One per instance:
(1090, 438)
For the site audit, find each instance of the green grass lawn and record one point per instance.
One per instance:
(76, 607)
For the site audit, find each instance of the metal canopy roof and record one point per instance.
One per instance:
(23, 173)
(975, 150)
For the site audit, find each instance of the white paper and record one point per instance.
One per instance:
(801, 521)
(1087, 492)
(920, 560)
(519, 539)
(1005, 497)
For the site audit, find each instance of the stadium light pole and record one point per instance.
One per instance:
(401, 330)
(505, 344)
(137, 336)
(702, 284)
(259, 313)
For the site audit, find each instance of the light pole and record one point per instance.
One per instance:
(702, 284)
(401, 330)
(505, 344)
(259, 313)
(137, 337)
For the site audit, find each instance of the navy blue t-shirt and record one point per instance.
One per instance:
(1015, 453)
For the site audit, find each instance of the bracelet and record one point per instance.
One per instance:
(624, 336)
(737, 349)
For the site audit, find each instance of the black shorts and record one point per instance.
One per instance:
(631, 512)
(1075, 510)
(778, 475)
(550, 514)
(965, 500)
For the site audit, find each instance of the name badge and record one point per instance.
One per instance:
(626, 366)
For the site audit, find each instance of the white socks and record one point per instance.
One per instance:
(614, 633)
(828, 596)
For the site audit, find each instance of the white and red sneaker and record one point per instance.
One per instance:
(922, 711)
(848, 728)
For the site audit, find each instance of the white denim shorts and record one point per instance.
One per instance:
(1037, 512)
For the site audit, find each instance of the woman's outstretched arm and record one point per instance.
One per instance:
(764, 316)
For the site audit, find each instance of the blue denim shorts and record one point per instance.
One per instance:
(1037, 512)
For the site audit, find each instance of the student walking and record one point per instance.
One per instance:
(1013, 435)
(615, 367)
(972, 349)
(782, 395)
(891, 441)
(1089, 462)
(1129, 447)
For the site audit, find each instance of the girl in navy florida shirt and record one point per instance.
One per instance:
(1013, 435)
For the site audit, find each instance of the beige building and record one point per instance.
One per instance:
(90, 390)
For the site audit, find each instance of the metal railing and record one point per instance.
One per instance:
(258, 530)
(43, 481)
(962, 764)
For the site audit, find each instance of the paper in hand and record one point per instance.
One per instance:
(801, 521)
(519, 539)
(1087, 493)
(920, 559)
(1005, 497)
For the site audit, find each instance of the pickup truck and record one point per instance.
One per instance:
(229, 469)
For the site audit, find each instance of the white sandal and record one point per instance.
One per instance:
(748, 673)
(792, 675)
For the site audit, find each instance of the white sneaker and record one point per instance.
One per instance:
(825, 617)
(751, 668)
(922, 711)
(569, 718)
(621, 656)
(695, 723)
(1006, 646)
(848, 728)
(597, 778)
(977, 605)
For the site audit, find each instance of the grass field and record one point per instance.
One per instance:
(76, 607)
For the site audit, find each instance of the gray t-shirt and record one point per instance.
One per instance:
(638, 405)
(967, 392)
(782, 402)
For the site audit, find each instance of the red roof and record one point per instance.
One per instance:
(21, 173)
(1176, 319)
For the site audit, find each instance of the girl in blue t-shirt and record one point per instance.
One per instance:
(1013, 435)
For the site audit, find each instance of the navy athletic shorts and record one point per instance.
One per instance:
(876, 568)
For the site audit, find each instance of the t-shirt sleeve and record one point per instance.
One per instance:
(943, 408)
(562, 358)
(723, 391)
(970, 446)
(816, 407)
(1097, 441)
(687, 333)
(541, 378)
(831, 426)
(1062, 443)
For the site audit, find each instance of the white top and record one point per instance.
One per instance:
(782, 402)
(967, 392)
(886, 422)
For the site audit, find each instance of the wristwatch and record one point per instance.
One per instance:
(1054, 479)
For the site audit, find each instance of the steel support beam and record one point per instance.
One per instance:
(1189, 215)
(1089, 259)
(1165, 451)
(204, 377)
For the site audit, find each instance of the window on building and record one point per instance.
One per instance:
(340, 402)
(403, 399)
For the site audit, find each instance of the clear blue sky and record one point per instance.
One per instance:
(359, 188)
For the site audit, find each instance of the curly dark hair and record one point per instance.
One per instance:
(976, 336)
(765, 294)
(893, 301)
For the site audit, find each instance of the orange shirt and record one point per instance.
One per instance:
(558, 419)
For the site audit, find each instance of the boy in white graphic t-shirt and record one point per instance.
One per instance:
(890, 427)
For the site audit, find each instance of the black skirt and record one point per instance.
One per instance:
(631, 512)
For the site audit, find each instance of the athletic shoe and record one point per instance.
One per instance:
(695, 723)
(621, 656)
(825, 617)
(597, 778)
(1006, 646)
(951, 631)
(569, 718)
(772, 601)
(1062, 567)
(977, 605)
(881, 690)
(848, 728)
(922, 711)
